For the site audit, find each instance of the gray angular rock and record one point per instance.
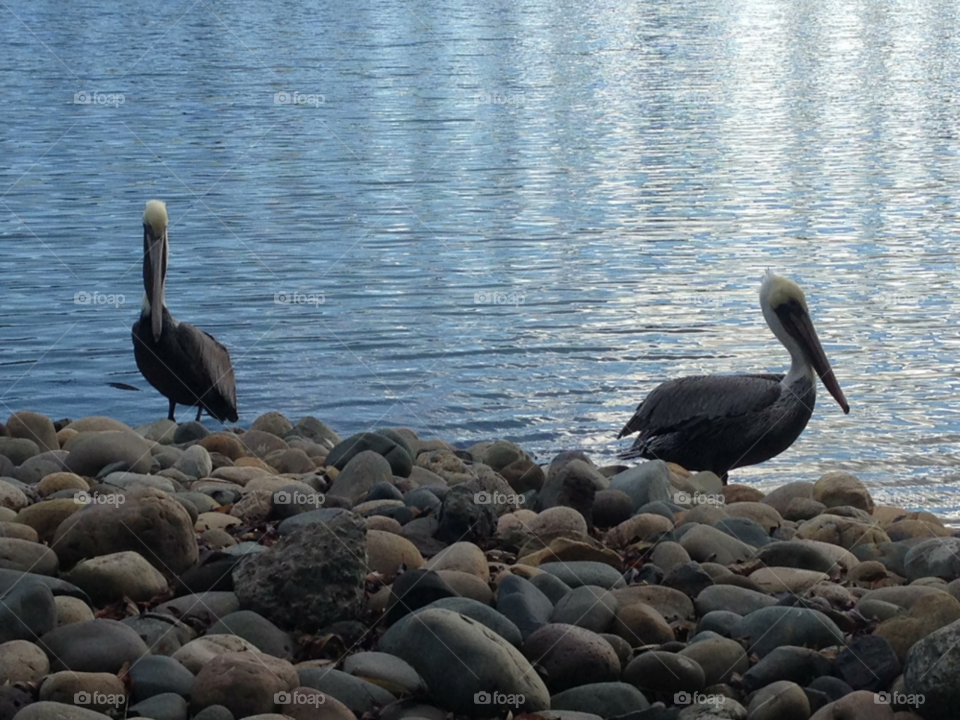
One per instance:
(932, 669)
(311, 578)
(462, 518)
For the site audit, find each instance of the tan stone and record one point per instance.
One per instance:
(464, 556)
(54, 482)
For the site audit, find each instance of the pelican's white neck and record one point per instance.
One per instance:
(800, 365)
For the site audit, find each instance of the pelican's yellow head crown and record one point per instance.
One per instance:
(155, 215)
(779, 290)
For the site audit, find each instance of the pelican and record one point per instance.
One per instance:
(188, 366)
(718, 423)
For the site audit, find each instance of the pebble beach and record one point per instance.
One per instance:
(172, 572)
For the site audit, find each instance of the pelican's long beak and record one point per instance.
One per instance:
(157, 257)
(797, 322)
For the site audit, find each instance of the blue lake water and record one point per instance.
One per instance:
(619, 173)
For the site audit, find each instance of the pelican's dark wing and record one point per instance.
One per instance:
(684, 403)
(208, 372)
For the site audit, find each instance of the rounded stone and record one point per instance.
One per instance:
(197, 654)
(558, 520)
(58, 481)
(245, 683)
(571, 656)
(257, 630)
(437, 640)
(71, 610)
(664, 672)
(98, 645)
(720, 658)
(147, 519)
(44, 710)
(109, 578)
(46, 516)
(463, 556)
(836, 489)
(639, 624)
(91, 452)
(36, 427)
(64, 686)
(387, 552)
(22, 661)
(26, 556)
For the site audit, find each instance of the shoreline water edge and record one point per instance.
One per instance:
(172, 572)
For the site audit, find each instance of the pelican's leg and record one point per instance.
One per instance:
(170, 415)
(199, 412)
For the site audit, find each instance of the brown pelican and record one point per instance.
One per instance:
(715, 422)
(186, 365)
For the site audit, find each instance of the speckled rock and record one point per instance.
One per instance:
(310, 578)
(571, 656)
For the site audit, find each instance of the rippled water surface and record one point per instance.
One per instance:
(621, 172)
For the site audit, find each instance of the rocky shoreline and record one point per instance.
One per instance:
(170, 572)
